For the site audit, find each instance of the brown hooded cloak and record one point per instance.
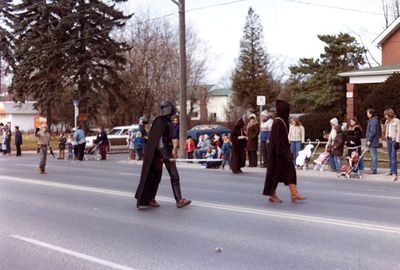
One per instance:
(238, 153)
(280, 159)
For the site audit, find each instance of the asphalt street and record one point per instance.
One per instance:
(83, 215)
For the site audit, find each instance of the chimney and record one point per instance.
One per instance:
(203, 103)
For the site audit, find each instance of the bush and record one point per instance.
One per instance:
(315, 124)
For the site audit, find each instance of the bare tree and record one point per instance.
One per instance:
(152, 72)
(391, 11)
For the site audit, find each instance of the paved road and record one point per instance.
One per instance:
(82, 215)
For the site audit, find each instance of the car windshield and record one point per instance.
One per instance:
(206, 127)
(114, 131)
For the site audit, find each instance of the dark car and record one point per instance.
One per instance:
(210, 129)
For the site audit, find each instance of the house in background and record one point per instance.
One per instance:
(209, 103)
(389, 42)
(23, 115)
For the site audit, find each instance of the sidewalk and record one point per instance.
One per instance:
(379, 177)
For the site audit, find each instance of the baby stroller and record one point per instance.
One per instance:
(350, 168)
(304, 156)
(92, 153)
(321, 161)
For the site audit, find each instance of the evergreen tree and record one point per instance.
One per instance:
(94, 56)
(315, 83)
(38, 63)
(66, 44)
(6, 18)
(251, 77)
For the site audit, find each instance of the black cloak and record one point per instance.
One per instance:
(238, 152)
(150, 176)
(280, 158)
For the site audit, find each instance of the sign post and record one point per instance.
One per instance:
(261, 103)
(75, 102)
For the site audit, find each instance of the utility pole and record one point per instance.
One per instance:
(183, 80)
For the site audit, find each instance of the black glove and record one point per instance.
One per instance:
(396, 146)
(164, 154)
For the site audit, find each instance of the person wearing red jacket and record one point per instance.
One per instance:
(189, 147)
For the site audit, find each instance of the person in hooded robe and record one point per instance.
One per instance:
(280, 166)
(158, 151)
(252, 131)
(238, 151)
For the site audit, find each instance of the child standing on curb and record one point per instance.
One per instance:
(226, 151)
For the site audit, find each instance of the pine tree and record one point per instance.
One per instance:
(315, 83)
(251, 77)
(6, 38)
(38, 63)
(95, 57)
(66, 45)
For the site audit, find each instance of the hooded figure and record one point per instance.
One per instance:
(280, 158)
(252, 131)
(238, 152)
(158, 151)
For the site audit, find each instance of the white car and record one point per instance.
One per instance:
(117, 137)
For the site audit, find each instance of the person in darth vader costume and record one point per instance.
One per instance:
(158, 151)
(280, 166)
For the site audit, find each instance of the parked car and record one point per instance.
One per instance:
(117, 137)
(210, 129)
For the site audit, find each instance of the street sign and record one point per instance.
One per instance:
(75, 101)
(260, 100)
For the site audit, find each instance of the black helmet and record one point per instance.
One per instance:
(167, 108)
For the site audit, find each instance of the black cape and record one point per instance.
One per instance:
(150, 176)
(280, 158)
(238, 152)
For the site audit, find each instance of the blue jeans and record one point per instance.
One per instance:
(374, 159)
(295, 147)
(226, 160)
(338, 162)
(392, 156)
(332, 163)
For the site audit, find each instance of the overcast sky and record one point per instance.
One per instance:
(290, 26)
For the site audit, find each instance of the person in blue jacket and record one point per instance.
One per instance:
(373, 133)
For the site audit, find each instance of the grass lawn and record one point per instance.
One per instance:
(30, 142)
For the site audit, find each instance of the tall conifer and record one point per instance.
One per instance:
(251, 77)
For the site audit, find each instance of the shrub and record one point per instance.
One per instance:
(315, 124)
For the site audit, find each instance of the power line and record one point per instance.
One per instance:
(334, 7)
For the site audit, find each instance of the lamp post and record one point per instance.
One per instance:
(75, 102)
(183, 80)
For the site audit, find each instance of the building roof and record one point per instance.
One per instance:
(212, 90)
(17, 108)
(380, 70)
(220, 92)
(393, 27)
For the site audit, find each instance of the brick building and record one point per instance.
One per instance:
(389, 42)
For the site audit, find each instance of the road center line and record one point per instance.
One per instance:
(231, 208)
(372, 196)
(72, 253)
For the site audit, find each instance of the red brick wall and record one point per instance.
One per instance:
(391, 49)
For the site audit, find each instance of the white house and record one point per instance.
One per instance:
(19, 114)
(211, 103)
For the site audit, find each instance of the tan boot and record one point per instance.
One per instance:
(182, 203)
(274, 198)
(295, 196)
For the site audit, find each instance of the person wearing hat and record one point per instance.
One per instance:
(43, 136)
(252, 131)
(18, 140)
(329, 145)
(280, 158)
